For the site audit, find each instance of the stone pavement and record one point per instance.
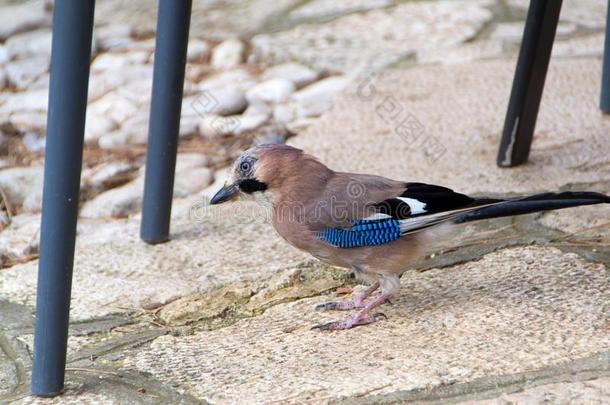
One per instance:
(511, 311)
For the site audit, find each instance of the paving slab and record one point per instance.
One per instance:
(515, 310)
(8, 374)
(102, 386)
(595, 391)
(592, 223)
(115, 271)
(442, 124)
(582, 376)
(375, 38)
(588, 13)
(587, 45)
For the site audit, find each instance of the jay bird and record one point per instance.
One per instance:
(374, 225)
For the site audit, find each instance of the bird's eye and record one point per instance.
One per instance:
(245, 166)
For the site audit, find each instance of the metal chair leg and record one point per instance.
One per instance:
(534, 56)
(70, 58)
(168, 80)
(604, 102)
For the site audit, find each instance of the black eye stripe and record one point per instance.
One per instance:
(252, 185)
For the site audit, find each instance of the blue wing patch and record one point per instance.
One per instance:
(362, 233)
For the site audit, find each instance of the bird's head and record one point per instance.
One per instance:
(258, 170)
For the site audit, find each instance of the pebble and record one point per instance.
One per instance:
(285, 113)
(188, 125)
(28, 122)
(273, 133)
(106, 175)
(138, 92)
(20, 238)
(190, 160)
(299, 124)
(133, 45)
(34, 143)
(3, 78)
(195, 73)
(217, 100)
(4, 222)
(111, 36)
(118, 202)
(118, 60)
(29, 44)
(190, 89)
(41, 82)
(23, 187)
(25, 71)
(258, 108)
(250, 122)
(198, 51)
(239, 78)
(112, 140)
(317, 98)
(114, 106)
(299, 74)
(33, 202)
(228, 54)
(311, 101)
(97, 125)
(33, 100)
(15, 17)
(103, 82)
(189, 181)
(135, 129)
(3, 54)
(271, 91)
(213, 126)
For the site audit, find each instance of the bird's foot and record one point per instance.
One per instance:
(361, 318)
(356, 302)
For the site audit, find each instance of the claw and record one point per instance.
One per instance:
(380, 315)
(327, 306)
(357, 320)
(326, 326)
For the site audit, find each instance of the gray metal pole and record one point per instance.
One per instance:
(604, 102)
(70, 57)
(168, 81)
(534, 56)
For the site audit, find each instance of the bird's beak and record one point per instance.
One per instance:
(224, 194)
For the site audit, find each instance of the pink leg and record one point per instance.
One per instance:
(362, 317)
(355, 302)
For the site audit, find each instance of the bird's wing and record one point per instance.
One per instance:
(415, 207)
(422, 199)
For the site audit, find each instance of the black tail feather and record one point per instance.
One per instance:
(535, 203)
